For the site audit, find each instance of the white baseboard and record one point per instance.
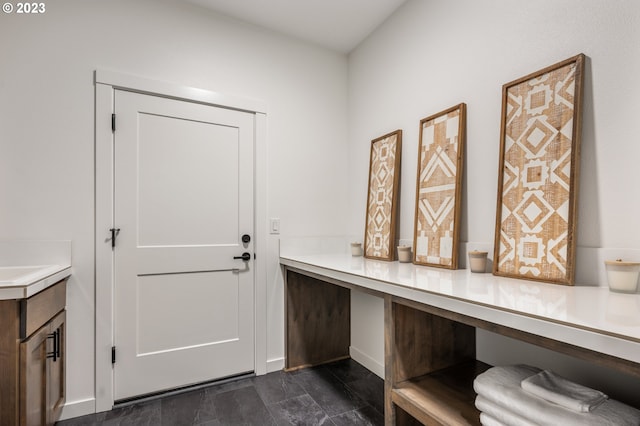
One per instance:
(275, 364)
(79, 408)
(371, 364)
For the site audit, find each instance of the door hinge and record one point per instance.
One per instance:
(113, 122)
(113, 354)
(114, 234)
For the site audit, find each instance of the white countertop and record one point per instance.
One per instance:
(30, 266)
(586, 316)
(20, 282)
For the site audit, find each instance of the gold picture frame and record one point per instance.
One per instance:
(382, 198)
(439, 188)
(538, 174)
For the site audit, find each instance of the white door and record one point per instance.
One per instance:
(183, 200)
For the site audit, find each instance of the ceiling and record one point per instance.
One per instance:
(339, 25)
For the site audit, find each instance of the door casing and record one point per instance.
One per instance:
(106, 82)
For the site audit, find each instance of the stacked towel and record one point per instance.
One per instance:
(502, 399)
(553, 388)
(501, 415)
(487, 420)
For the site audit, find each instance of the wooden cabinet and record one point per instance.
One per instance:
(32, 358)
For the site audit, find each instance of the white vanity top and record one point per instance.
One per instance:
(591, 317)
(28, 267)
(20, 282)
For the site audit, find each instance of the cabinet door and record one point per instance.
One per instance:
(33, 378)
(42, 358)
(56, 366)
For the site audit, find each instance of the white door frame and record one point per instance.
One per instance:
(106, 82)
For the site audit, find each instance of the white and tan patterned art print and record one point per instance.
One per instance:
(537, 187)
(440, 156)
(384, 174)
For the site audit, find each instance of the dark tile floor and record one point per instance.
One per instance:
(336, 394)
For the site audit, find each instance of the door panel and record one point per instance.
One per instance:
(218, 304)
(175, 172)
(183, 200)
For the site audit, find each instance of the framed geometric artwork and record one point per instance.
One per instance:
(382, 199)
(538, 174)
(438, 188)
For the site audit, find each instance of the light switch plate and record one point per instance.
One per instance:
(274, 225)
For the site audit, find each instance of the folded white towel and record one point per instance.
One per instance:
(496, 383)
(487, 420)
(553, 388)
(500, 414)
(501, 386)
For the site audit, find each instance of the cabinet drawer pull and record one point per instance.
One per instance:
(55, 354)
(58, 345)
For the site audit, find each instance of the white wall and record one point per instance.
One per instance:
(47, 129)
(431, 55)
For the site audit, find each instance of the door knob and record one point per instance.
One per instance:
(246, 238)
(246, 256)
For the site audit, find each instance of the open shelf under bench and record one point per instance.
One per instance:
(444, 397)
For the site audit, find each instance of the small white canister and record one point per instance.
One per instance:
(622, 276)
(478, 261)
(404, 254)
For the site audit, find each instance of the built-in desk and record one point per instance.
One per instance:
(430, 319)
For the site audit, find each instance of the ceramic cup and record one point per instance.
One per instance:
(404, 254)
(477, 261)
(356, 249)
(622, 276)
